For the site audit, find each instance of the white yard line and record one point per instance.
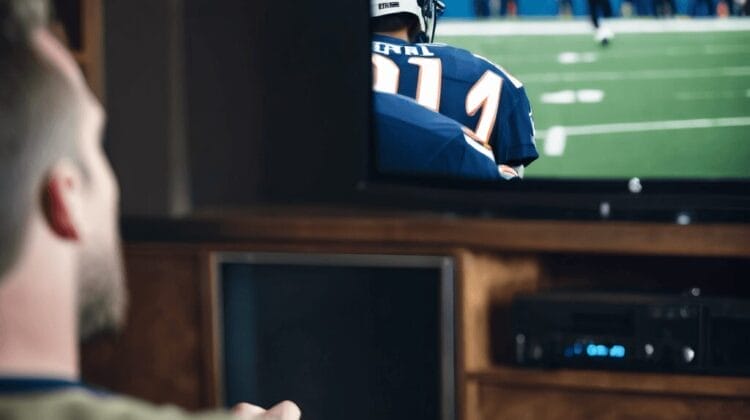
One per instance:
(646, 74)
(585, 130)
(583, 27)
(587, 57)
(555, 141)
(556, 138)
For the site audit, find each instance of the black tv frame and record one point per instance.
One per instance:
(682, 202)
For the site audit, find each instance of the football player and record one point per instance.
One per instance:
(603, 34)
(664, 8)
(412, 140)
(710, 6)
(469, 89)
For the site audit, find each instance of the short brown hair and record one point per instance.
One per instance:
(396, 22)
(38, 119)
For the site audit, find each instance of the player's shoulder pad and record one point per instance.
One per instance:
(479, 62)
(517, 83)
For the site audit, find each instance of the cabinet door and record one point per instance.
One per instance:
(344, 336)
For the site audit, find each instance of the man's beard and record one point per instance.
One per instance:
(102, 298)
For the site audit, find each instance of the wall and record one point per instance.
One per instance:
(232, 103)
(145, 136)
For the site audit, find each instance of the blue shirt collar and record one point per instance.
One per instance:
(20, 385)
(389, 39)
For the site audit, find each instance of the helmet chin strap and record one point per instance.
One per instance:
(438, 8)
(433, 9)
(422, 37)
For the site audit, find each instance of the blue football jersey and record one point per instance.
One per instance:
(413, 140)
(467, 88)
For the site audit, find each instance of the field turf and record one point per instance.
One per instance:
(650, 105)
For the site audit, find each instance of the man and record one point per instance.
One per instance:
(467, 88)
(710, 7)
(413, 140)
(596, 7)
(483, 8)
(665, 8)
(60, 269)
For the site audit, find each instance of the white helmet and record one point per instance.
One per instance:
(426, 11)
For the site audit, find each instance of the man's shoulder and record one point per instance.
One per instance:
(84, 405)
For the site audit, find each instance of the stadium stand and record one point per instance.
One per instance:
(466, 9)
(538, 7)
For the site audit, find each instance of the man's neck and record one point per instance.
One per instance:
(38, 317)
(401, 34)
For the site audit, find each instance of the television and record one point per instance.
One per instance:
(654, 125)
(343, 336)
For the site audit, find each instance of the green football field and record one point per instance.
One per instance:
(650, 105)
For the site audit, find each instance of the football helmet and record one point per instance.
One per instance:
(426, 11)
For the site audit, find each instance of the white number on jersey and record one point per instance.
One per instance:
(385, 74)
(485, 94)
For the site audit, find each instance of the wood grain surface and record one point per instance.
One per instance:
(337, 225)
(536, 403)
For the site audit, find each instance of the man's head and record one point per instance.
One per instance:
(52, 166)
(416, 17)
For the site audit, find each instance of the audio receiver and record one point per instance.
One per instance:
(637, 332)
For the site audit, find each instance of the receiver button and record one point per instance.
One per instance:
(649, 350)
(688, 354)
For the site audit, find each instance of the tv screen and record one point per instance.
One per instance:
(527, 96)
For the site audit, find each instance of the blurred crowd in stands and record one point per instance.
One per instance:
(659, 8)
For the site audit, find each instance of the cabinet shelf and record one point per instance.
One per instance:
(608, 381)
(490, 271)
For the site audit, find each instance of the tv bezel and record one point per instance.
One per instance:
(683, 202)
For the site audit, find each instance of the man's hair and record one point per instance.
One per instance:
(37, 120)
(396, 22)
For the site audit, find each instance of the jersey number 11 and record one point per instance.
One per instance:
(484, 95)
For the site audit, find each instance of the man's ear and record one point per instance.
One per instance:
(61, 200)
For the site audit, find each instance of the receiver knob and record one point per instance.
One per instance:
(688, 354)
(537, 352)
(649, 350)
